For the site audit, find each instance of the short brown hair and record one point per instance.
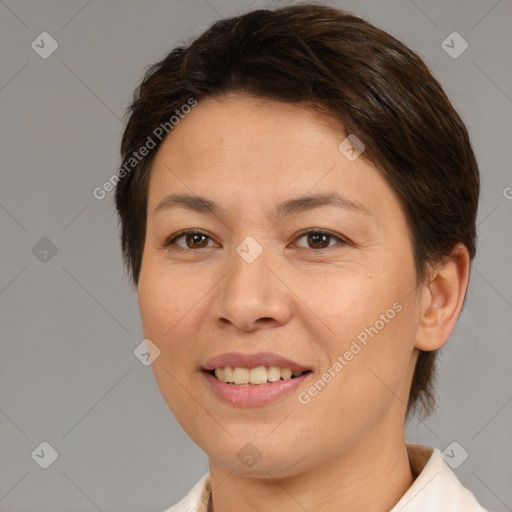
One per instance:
(342, 66)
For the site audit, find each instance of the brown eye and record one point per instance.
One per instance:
(192, 240)
(196, 241)
(319, 240)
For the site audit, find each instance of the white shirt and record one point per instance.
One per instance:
(435, 489)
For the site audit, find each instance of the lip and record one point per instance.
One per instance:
(237, 359)
(253, 395)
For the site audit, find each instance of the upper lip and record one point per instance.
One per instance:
(237, 359)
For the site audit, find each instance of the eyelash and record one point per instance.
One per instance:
(171, 240)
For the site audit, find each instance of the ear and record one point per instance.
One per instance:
(442, 299)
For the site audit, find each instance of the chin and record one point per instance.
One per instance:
(256, 456)
(279, 466)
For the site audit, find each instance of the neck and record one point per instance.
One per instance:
(372, 476)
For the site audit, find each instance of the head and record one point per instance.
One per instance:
(278, 122)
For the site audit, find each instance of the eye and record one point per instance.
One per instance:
(196, 239)
(193, 239)
(319, 239)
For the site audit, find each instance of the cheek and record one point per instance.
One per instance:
(346, 302)
(365, 334)
(154, 310)
(173, 306)
(166, 296)
(166, 303)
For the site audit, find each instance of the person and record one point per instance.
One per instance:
(297, 202)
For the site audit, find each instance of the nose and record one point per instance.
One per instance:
(252, 296)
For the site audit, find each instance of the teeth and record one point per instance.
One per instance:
(228, 374)
(286, 373)
(273, 373)
(259, 375)
(241, 375)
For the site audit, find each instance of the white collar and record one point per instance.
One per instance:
(435, 488)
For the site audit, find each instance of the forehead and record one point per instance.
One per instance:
(235, 125)
(242, 148)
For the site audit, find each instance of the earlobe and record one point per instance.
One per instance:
(442, 299)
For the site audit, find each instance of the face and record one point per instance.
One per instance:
(296, 258)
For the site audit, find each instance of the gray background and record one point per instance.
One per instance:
(69, 320)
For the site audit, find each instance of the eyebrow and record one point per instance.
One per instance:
(291, 206)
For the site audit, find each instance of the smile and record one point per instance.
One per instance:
(259, 375)
(246, 394)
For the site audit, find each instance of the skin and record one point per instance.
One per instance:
(345, 449)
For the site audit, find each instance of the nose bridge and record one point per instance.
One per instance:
(251, 290)
(250, 268)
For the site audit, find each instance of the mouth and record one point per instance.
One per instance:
(253, 380)
(254, 387)
(239, 376)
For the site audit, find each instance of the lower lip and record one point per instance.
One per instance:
(253, 395)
